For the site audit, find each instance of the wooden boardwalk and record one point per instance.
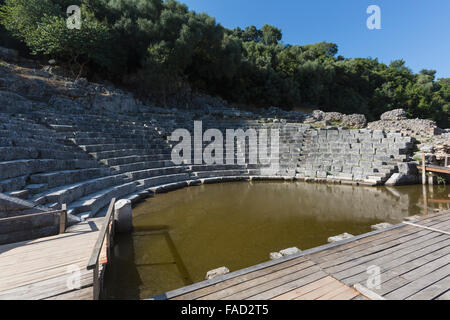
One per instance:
(413, 262)
(438, 169)
(48, 268)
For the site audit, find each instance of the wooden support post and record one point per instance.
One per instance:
(424, 171)
(108, 242)
(446, 160)
(96, 284)
(425, 199)
(63, 219)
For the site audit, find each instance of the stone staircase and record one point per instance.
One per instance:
(362, 156)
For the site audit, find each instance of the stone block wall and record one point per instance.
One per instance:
(366, 156)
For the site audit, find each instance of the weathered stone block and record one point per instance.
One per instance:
(216, 273)
(290, 251)
(340, 237)
(399, 179)
(381, 226)
(275, 255)
(123, 216)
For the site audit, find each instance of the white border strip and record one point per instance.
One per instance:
(428, 228)
(367, 293)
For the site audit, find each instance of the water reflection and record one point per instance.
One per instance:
(181, 235)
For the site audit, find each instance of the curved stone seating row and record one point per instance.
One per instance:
(132, 150)
(34, 158)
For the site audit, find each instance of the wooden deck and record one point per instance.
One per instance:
(46, 268)
(438, 169)
(413, 260)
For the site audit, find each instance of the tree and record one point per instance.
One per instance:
(157, 48)
(41, 24)
(270, 35)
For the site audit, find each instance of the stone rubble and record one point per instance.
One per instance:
(216, 273)
(381, 226)
(340, 237)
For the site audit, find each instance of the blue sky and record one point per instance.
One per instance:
(417, 31)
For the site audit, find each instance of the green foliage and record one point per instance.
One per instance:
(441, 181)
(41, 24)
(160, 46)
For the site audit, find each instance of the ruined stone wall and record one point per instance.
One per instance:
(365, 156)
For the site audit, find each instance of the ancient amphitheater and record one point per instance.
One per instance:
(84, 160)
(81, 145)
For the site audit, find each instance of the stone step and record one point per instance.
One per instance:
(13, 184)
(137, 166)
(148, 173)
(15, 168)
(63, 128)
(94, 202)
(12, 140)
(36, 188)
(126, 152)
(17, 153)
(113, 147)
(135, 159)
(70, 193)
(119, 135)
(155, 181)
(96, 141)
(66, 177)
(215, 167)
(219, 173)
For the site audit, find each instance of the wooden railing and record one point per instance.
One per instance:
(438, 169)
(106, 233)
(62, 217)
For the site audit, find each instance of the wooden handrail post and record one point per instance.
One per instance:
(424, 171)
(63, 219)
(96, 284)
(104, 238)
(425, 199)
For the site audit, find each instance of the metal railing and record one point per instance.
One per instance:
(106, 233)
(62, 217)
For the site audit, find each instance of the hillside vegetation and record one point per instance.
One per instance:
(159, 48)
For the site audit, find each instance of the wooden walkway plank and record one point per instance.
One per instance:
(351, 260)
(445, 296)
(342, 293)
(280, 289)
(385, 263)
(348, 294)
(434, 291)
(275, 282)
(46, 288)
(414, 269)
(340, 257)
(291, 295)
(81, 294)
(321, 291)
(419, 284)
(41, 269)
(385, 258)
(401, 235)
(259, 281)
(238, 280)
(384, 236)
